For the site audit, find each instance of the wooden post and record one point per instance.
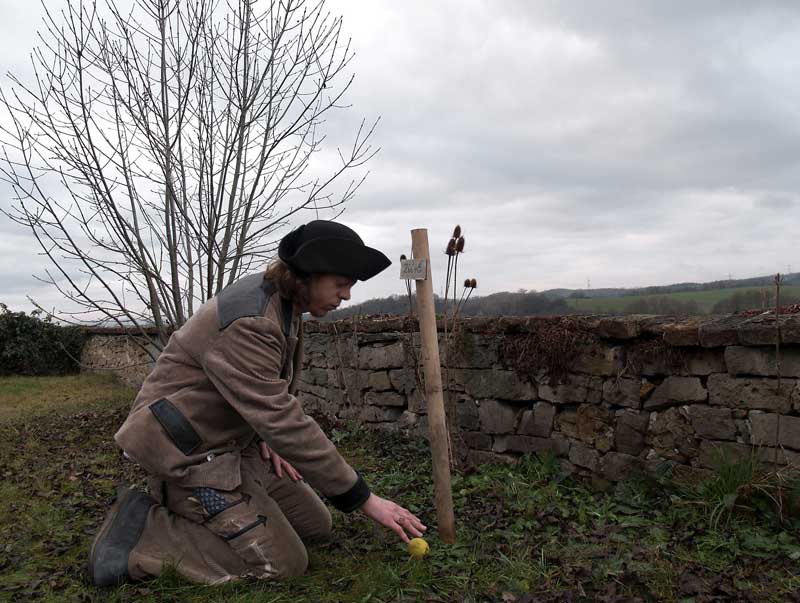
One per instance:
(437, 427)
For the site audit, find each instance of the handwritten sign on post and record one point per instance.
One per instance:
(413, 270)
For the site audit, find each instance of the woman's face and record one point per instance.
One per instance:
(326, 292)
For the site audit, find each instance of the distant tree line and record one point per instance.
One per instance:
(763, 299)
(530, 303)
(758, 281)
(520, 303)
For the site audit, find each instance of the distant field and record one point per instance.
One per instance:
(705, 299)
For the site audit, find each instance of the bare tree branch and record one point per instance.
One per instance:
(157, 153)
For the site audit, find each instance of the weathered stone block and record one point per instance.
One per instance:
(342, 352)
(622, 392)
(315, 359)
(764, 428)
(315, 405)
(348, 380)
(616, 466)
(790, 328)
(379, 381)
(759, 330)
(350, 411)
(527, 444)
(381, 357)
(711, 422)
(600, 360)
(315, 376)
(475, 440)
(384, 399)
(565, 423)
(758, 393)
(672, 436)
(506, 385)
(719, 331)
(386, 337)
(769, 429)
(584, 456)
(317, 390)
(760, 361)
(703, 361)
(594, 425)
(408, 419)
(403, 380)
(676, 390)
(623, 327)
(374, 414)
(630, 431)
(712, 453)
(684, 333)
(646, 390)
(575, 390)
(472, 350)
(467, 415)
(497, 417)
(539, 421)
(316, 343)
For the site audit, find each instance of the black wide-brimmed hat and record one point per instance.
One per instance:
(325, 246)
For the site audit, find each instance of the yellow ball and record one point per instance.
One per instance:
(417, 547)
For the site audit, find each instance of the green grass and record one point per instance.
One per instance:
(33, 396)
(705, 299)
(524, 531)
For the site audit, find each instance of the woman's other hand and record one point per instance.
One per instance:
(278, 463)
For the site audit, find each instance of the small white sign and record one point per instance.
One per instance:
(416, 270)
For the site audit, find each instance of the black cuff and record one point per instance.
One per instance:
(353, 498)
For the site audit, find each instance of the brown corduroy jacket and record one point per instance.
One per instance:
(225, 378)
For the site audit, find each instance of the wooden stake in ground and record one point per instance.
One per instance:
(437, 427)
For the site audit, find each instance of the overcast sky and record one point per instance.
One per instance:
(627, 143)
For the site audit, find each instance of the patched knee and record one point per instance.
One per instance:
(290, 562)
(320, 529)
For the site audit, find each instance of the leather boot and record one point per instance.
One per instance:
(121, 530)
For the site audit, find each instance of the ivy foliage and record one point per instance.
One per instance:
(31, 345)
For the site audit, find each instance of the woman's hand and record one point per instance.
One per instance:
(278, 463)
(393, 516)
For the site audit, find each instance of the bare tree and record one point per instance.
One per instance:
(155, 153)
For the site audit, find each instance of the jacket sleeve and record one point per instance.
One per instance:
(244, 364)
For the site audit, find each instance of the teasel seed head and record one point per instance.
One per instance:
(460, 245)
(457, 231)
(451, 247)
(467, 284)
(473, 284)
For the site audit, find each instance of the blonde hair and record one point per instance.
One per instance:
(288, 283)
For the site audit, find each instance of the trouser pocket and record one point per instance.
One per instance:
(232, 516)
(251, 523)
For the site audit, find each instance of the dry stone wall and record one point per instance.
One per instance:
(608, 396)
(111, 350)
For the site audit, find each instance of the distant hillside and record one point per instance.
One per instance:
(719, 301)
(758, 281)
(496, 304)
(680, 298)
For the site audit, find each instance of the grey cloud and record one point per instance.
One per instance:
(630, 143)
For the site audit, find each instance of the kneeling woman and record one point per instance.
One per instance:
(225, 441)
